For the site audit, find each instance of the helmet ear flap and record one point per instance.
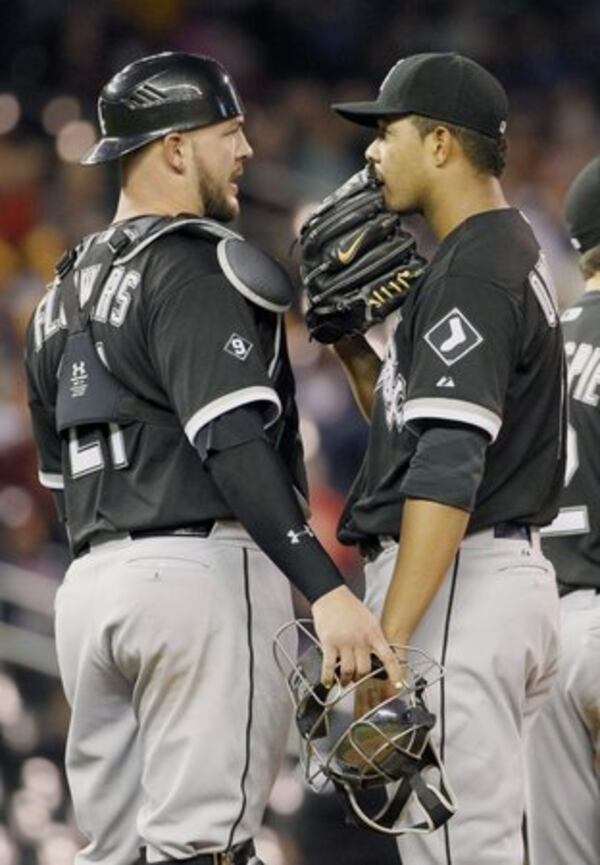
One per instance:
(309, 695)
(387, 747)
(311, 720)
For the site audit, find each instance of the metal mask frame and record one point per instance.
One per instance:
(388, 745)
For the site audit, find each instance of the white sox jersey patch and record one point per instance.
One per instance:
(453, 337)
(238, 346)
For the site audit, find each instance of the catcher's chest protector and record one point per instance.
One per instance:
(88, 392)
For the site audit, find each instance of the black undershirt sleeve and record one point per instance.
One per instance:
(447, 466)
(256, 485)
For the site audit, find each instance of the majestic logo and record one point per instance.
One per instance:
(238, 346)
(445, 381)
(79, 379)
(295, 536)
(453, 337)
(392, 385)
(345, 256)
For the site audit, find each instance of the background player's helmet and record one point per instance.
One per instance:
(157, 95)
(387, 747)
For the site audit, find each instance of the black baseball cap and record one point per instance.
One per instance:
(446, 87)
(582, 207)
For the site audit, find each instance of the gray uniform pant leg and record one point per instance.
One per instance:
(494, 625)
(179, 718)
(563, 750)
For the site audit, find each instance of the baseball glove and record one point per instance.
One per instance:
(356, 260)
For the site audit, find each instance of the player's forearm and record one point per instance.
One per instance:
(430, 536)
(256, 486)
(361, 365)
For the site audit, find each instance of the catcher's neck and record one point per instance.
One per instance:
(449, 204)
(149, 185)
(138, 199)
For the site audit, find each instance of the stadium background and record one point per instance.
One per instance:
(291, 58)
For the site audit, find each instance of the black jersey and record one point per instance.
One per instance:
(173, 329)
(478, 343)
(572, 541)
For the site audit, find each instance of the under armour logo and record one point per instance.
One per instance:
(79, 379)
(295, 536)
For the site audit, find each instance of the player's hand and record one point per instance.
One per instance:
(349, 633)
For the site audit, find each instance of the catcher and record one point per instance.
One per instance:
(157, 373)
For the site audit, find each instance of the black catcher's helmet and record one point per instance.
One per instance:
(387, 746)
(159, 94)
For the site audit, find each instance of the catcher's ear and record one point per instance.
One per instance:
(173, 146)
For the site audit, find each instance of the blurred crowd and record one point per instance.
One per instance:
(291, 58)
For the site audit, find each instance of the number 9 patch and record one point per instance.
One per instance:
(238, 346)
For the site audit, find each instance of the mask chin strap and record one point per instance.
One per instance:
(436, 804)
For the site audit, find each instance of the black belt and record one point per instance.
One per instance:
(565, 589)
(196, 530)
(241, 854)
(514, 531)
(370, 548)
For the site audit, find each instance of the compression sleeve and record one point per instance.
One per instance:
(447, 466)
(254, 482)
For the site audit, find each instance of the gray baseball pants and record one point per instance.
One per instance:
(563, 750)
(493, 624)
(179, 715)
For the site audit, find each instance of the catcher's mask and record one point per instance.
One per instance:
(159, 94)
(388, 745)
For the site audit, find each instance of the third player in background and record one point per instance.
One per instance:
(564, 748)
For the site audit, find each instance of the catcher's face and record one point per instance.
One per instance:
(399, 159)
(219, 153)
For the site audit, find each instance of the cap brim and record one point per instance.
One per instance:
(364, 113)
(108, 149)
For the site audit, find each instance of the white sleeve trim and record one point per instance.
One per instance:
(51, 481)
(456, 410)
(230, 401)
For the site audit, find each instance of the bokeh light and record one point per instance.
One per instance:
(10, 112)
(74, 139)
(58, 112)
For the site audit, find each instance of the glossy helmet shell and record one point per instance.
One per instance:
(157, 95)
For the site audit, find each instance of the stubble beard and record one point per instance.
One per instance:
(216, 203)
